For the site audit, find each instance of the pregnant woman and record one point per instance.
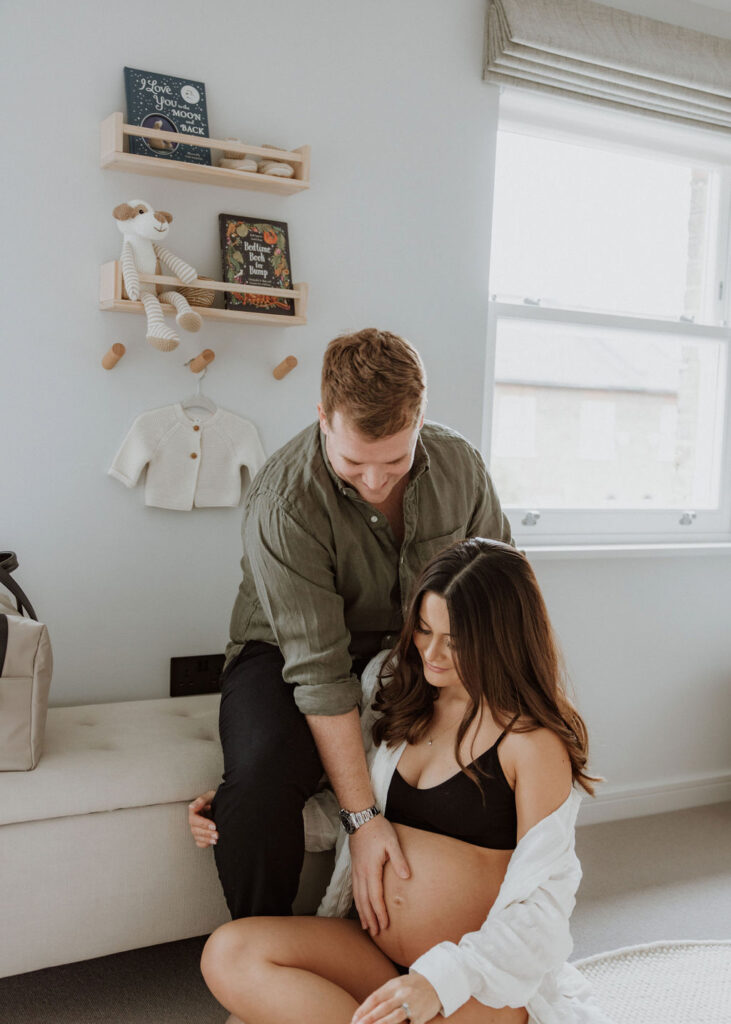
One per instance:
(474, 750)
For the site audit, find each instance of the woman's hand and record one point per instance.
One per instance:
(411, 997)
(203, 829)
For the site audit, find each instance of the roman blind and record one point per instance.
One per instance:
(588, 50)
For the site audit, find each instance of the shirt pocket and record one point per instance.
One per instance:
(427, 549)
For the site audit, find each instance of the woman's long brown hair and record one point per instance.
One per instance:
(505, 653)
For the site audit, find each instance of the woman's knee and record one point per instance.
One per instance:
(231, 949)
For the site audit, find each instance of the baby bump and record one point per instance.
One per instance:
(451, 889)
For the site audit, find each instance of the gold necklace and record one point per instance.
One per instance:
(430, 738)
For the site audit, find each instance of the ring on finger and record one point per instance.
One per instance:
(407, 1011)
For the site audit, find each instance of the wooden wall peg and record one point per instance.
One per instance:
(201, 361)
(286, 366)
(113, 356)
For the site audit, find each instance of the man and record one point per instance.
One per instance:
(337, 525)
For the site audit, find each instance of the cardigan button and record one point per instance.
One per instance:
(196, 427)
(194, 455)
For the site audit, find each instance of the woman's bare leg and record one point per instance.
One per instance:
(475, 1013)
(286, 970)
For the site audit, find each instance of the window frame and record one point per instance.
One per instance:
(558, 119)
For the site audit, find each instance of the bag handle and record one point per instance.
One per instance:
(3, 641)
(8, 562)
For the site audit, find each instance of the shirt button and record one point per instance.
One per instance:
(194, 455)
(196, 427)
(374, 519)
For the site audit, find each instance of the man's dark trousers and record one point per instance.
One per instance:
(271, 768)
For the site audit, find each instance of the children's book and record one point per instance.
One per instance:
(256, 252)
(167, 104)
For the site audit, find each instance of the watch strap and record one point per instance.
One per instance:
(357, 818)
(361, 817)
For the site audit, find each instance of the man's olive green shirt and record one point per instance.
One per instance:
(323, 576)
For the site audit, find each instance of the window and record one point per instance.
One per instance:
(608, 332)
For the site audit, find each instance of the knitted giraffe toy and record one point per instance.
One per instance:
(142, 253)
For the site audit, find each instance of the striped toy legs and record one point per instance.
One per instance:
(186, 318)
(162, 337)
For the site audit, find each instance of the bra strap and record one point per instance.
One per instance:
(507, 729)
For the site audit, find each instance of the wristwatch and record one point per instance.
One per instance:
(352, 820)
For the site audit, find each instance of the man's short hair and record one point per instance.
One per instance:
(374, 379)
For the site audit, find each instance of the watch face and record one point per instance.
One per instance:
(346, 822)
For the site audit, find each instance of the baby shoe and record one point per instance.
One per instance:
(238, 161)
(245, 163)
(278, 168)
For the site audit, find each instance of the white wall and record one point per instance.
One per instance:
(394, 232)
(648, 650)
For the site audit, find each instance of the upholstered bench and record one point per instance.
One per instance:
(95, 852)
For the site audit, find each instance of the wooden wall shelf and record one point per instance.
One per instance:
(111, 298)
(114, 157)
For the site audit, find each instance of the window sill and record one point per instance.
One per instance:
(553, 552)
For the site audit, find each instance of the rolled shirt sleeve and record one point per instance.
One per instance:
(295, 581)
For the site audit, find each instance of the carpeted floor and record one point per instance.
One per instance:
(663, 877)
(158, 985)
(645, 879)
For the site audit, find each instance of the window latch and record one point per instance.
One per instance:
(531, 302)
(687, 518)
(532, 517)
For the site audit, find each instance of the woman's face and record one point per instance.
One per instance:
(433, 641)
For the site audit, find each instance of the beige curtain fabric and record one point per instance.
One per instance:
(587, 50)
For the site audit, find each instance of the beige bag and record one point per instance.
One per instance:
(26, 664)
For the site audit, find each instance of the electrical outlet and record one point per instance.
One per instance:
(199, 674)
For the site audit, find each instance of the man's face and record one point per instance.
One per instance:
(373, 468)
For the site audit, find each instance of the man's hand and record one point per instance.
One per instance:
(203, 829)
(411, 998)
(370, 847)
(340, 745)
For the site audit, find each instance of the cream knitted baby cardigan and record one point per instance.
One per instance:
(192, 461)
